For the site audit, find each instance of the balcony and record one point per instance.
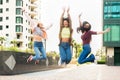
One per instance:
(33, 5)
(19, 40)
(33, 1)
(33, 14)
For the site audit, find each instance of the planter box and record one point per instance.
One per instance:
(110, 61)
(15, 63)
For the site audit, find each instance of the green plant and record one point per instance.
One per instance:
(1, 42)
(101, 61)
(13, 49)
(52, 54)
(77, 47)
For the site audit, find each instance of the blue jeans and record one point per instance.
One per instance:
(65, 52)
(39, 51)
(83, 56)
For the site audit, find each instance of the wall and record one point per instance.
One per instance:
(15, 63)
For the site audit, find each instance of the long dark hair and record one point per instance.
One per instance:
(82, 28)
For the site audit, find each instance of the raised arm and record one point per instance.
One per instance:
(32, 22)
(80, 23)
(105, 31)
(26, 14)
(69, 17)
(61, 18)
(48, 27)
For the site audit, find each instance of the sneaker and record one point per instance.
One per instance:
(47, 62)
(29, 59)
(63, 64)
(96, 59)
(37, 62)
(59, 62)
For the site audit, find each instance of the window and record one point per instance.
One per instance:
(111, 10)
(19, 20)
(114, 34)
(1, 10)
(19, 28)
(18, 36)
(1, 27)
(26, 45)
(7, 18)
(1, 1)
(29, 30)
(18, 44)
(7, 26)
(7, 35)
(7, 9)
(18, 2)
(1, 19)
(7, 1)
(18, 11)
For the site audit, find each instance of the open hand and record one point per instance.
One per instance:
(23, 9)
(107, 30)
(68, 9)
(63, 9)
(80, 15)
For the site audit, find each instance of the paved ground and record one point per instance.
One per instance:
(82, 72)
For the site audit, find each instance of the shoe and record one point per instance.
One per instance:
(37, 62)
(59, 62)
(63, 64)
(92, 57)
(47, 62)
(96, 59)
(29, 59)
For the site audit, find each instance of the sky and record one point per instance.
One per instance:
(91, 11)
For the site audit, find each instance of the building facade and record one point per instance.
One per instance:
(111, 18)
(14, 25)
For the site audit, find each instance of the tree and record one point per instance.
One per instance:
(30, 44)
(14, 42)
(1, 41)
(101, 53)
(77, 47)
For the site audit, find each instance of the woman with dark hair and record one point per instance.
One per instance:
(39, 33)
(65, 38)
(86, 37)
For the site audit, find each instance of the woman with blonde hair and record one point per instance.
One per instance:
(39, 33)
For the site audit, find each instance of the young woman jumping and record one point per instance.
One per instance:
(39, 33)
(86, 37)
(65, 38)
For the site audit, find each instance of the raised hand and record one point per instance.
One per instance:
(79, 15)
(23, 9)
(63, 9)
(68, 9)
(107, 30)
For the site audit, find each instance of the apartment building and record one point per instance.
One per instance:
(111, 40)
(13, 24)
